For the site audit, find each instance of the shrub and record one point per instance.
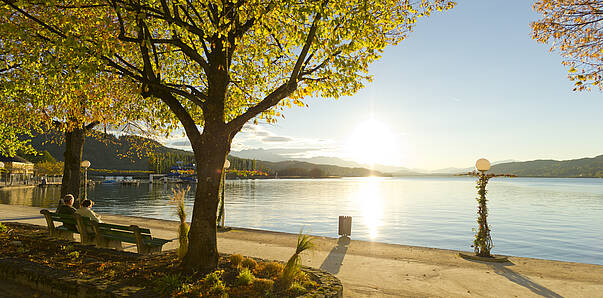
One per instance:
(296, 289)
(269, 270)
(3, 228)
(245, 277)
(236, 260)
(262, 285)
(167, 284)
(249, 263)
(213, 282)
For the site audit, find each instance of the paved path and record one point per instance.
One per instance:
(370, 269)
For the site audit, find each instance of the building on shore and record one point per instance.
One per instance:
(16, 171)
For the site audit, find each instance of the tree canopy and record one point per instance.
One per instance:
(217, 64)
(575, 29)
(49, 83)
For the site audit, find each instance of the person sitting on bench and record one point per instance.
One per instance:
(67, 208)
(85, 211)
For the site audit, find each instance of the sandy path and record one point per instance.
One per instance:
(370, 269)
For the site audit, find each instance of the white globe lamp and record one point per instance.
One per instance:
(482, 165)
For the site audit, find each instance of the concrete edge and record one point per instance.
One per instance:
(52, 281)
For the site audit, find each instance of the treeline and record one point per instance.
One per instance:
(133, 153)
(162, 160)
(306, 169)
(584, 167)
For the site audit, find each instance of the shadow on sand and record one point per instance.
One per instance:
(502, 270)
(334, 260)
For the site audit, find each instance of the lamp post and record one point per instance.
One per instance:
(483, 242)
(221, 215)
(85, 164)
(1, 173)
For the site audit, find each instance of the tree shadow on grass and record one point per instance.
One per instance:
(501, 269)
(334, 260)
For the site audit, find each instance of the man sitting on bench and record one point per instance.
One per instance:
(67, 208)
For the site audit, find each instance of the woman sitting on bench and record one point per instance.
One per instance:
(85, 211)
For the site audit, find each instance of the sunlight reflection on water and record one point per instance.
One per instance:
(534, 217)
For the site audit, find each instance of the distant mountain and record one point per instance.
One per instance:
(126, 153)
(278, 155)
(306, 169)
(583, 167)
(464, 170)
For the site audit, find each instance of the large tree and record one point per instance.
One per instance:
(46, 86)
(575, 29)
(218, 64)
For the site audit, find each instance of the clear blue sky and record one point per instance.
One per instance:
(466, 84)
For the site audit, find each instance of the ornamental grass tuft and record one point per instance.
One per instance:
(183, 228)
(292, 269)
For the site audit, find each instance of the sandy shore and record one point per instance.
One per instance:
(369, 269)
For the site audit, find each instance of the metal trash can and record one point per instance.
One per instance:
(345, 225)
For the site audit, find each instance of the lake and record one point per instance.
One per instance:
(547, 218)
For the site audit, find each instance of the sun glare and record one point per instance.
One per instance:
(372, 142)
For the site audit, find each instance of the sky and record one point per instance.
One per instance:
(466, 84)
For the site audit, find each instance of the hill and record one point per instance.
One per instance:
(129, 153)
(109, 152)
(306, 169)
(583, 167)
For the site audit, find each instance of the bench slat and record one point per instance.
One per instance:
(120, 227)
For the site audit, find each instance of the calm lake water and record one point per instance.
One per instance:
(559, 219)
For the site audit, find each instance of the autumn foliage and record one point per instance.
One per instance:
(574, 28)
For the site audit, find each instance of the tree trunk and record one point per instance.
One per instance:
(74, 144)
(202, 254)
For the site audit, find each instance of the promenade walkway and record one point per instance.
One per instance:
(369, 269)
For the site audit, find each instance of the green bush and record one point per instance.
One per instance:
(168, 284)
(296, 289)
(213, 282)
(245, 277)
(3, 228)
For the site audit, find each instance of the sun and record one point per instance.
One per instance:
(372, 142)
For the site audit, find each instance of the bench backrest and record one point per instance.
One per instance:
(51, 217)
(61, 217)
(126, 232)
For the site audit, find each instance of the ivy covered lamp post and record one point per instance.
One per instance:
(482, 244)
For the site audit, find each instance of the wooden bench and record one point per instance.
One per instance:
(103, 234)
(111, 233)
(65, 231)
